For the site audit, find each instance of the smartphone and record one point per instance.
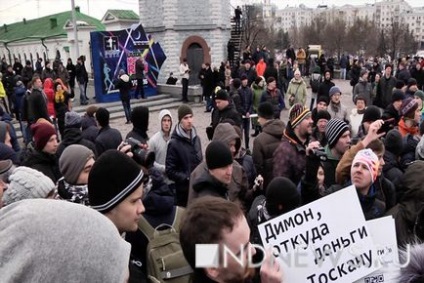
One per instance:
(388, 125)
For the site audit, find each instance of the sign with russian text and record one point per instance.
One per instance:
(324, 241)
(383, 232)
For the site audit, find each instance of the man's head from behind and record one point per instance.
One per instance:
(211, 220)
(102, 117)
(281, 196)
(115, 188)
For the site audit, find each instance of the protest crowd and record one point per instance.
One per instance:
(75, 193)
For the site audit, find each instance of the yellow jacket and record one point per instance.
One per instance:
(2, 91)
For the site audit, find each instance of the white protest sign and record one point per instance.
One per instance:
(383, 233)
(324, 241)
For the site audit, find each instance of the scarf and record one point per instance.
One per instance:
(59, 96)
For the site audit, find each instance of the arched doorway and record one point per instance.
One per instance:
(196, 51)
(195, 61)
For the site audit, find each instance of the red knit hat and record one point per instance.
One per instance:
(41, 133)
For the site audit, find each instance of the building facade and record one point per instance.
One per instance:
(196, 30)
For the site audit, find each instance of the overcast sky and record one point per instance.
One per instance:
(16, 10)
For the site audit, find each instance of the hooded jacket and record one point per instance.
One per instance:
(74, 136)
(124, 85)
(324, 88)
(158, 143)
(290, 156)
(264, 146)
(36, 245)
(48, 90)
(239, 185)
(207, 185)
(406, 211)
(44, 162)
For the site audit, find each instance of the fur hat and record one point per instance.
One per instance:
(218, 155)
(72, 161)
(114, 177)
(72, 119)
(334, 130)
(41, 133)
(27, 183)
(323, 114)
(184, 110)
(297, 114)
(408, 108)
(368, 157)
(266, 110)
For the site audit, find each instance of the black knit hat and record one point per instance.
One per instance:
(372, 113)
(393, 142)
(281, 191)
(113, 177)
(334, 130)
(222, 94)
(140, 118)
(184, 110)
(323, 98)
(397, 95)
(399, 84)
(102, 116)
(266, 110)
(218, 155)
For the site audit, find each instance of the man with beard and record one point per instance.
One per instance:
(337, 134)
(212, 220)
(290, 156)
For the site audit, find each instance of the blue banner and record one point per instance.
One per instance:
(112, 51)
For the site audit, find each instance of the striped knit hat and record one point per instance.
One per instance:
(334, 130)
(297, 113)
(113, 177)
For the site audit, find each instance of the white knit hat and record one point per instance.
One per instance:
(26, 183)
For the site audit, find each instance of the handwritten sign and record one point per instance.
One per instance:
(324, 241)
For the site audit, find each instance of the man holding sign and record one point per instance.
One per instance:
(214, 232)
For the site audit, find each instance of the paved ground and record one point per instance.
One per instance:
(202, 119)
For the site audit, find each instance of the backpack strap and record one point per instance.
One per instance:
(179, 212)
(146, 228)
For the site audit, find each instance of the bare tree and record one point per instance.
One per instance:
(335, 32)
(253, 25)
